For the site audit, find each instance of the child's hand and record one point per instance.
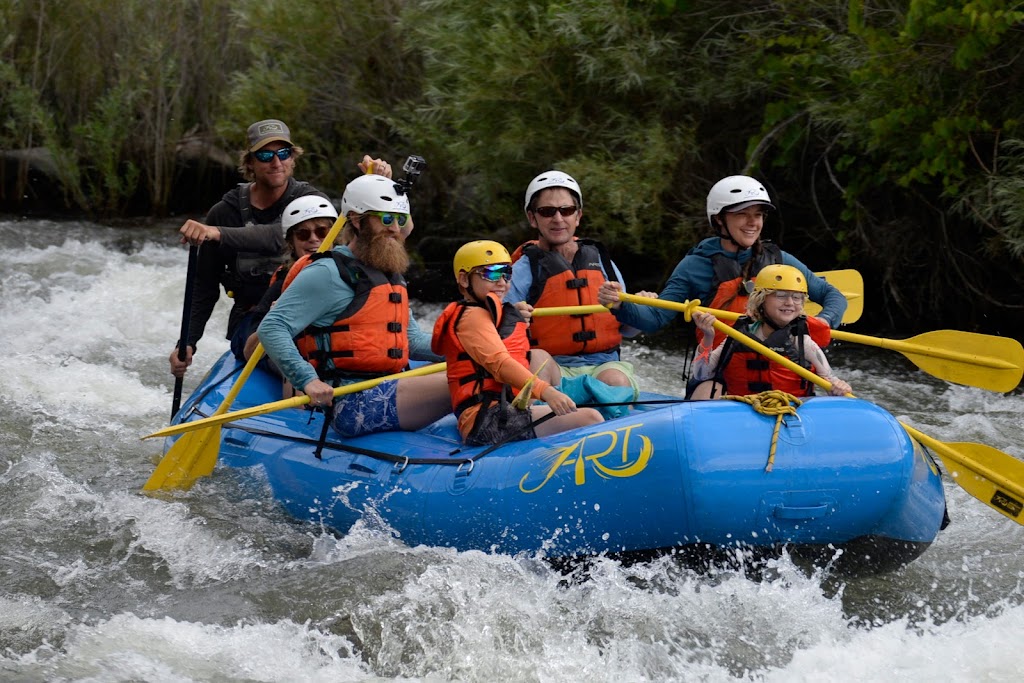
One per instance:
(839, 387)
(559, 403)
(704, 321)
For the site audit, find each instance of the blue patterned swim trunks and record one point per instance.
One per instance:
(369, 411)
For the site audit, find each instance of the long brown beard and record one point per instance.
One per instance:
(381, 251)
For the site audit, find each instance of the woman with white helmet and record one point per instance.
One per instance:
(306, 222)
(720, 270)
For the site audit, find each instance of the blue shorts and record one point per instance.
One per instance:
(368, 411)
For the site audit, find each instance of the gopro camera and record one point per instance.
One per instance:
(413, 167)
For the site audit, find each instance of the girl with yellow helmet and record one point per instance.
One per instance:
(488, 353)
(775, 318)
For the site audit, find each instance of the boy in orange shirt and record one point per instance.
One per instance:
(488, 353)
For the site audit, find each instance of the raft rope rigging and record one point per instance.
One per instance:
(402, 461)
(774, 402)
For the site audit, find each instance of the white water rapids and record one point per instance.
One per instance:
(101, 583)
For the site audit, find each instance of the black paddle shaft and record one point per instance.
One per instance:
(186, 314)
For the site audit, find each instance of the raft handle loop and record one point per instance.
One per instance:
(400, 466)
(460, 473)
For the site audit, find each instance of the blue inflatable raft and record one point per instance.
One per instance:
(847, 485)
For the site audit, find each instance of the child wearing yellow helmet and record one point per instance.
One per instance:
(488, 353)
(774, 317)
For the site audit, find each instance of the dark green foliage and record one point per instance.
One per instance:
(887, 131)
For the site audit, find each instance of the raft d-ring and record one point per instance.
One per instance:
(785, 418)
(462, 473)
(400, 466)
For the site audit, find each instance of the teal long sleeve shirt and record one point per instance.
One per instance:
(317, 296)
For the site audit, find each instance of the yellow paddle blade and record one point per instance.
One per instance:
(192, 456)
(968, 358)
(993, 477)
(977, 360)
(851, 284)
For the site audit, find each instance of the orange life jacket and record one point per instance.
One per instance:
(731, 287)
(743, 371)
(558, 283)
(469, 382)
(369, 338)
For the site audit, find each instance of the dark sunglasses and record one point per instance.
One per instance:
(266, 156)
(388, 218)
(550, 211)
(303, 233)
(495, 273)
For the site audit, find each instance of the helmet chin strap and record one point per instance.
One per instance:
(723, 231)
(767, 318)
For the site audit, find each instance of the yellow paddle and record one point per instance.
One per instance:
(851, 284)
(219, 418)
(569, 310)
(195, 455)
(990, 475)
(977, 360)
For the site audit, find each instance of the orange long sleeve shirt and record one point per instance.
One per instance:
(477, 334)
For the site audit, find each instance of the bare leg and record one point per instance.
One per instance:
(707, 390)
(581, 418)
(552, 372)
(614, 378)
(422, 400)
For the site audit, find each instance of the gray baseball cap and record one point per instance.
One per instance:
(266, 131)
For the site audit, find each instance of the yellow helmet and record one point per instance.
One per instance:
(778, 276)
(479, 253)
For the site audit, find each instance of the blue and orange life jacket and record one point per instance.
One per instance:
(369, 338)
(559, 283)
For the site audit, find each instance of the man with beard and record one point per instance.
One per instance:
(344, 317)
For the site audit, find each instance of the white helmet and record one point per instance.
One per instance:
(304, 208)
(552, 179)
(373, 193)
(736, 192)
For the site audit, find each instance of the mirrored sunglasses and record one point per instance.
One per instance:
(495, 273)
(388, 218)
(303, 233)
(266, 155)
(550, 211)
(797, 297)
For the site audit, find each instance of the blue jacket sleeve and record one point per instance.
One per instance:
(691, 279)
